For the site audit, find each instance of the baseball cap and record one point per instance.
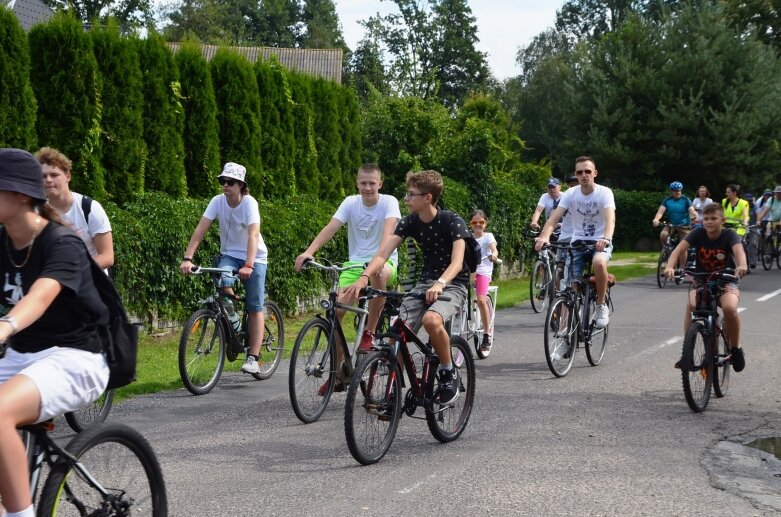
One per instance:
(767, 192)
(553, 181)
(572, 179)
(20, 172)
(234, 171)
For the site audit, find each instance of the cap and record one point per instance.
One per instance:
(777, 190)
(234, 170)
(572, 179)
(553, 181)
(767, 192)
(21, 172)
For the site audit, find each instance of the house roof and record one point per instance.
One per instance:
(324, 63)
(30, 12)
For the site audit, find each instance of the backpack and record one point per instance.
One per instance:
(86, 208)
(473, 254)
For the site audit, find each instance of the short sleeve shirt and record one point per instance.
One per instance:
(588, 211)
(548, 203)
(486, 267)
(713, 254)
(98, 221)
(365, 225)
(71, 319)
(677, 210)
(699, 204)
(436, 239)
(234, 227)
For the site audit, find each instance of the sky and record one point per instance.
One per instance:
(502, 25)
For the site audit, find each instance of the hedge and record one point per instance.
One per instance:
(17, 102)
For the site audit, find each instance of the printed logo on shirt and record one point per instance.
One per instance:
(367, 225)
(13, 291)
(590, 212)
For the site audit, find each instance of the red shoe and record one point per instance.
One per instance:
(367, 340)
(338, 387)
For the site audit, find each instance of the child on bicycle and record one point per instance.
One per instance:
(717, 248)
(478, 222)
(241, 247)
(50, 309)
(441, 235)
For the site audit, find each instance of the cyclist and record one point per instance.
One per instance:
(82, 214)
(440, 234)
(680, 212)
(478, 221)
(772, 211)
(717, 248)
(371, 218)
(241, 247)
(548, 202)
(593, 210)
(766, 198)
(50, 309)
(736, 212)
(701, 201)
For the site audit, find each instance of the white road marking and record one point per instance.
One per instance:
(671, 341)
(769, 296)
(741, 309)
(417, 485)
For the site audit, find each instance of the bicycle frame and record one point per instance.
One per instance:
(236, 340)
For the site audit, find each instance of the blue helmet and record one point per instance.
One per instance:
(676, 185)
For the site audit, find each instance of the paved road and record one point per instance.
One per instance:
(617, 439)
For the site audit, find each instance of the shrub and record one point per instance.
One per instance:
(17, 102)
(305, 163)
(634, 211)
(327, 138)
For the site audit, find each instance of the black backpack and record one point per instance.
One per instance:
(473, 254)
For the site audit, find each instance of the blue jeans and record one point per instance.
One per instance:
(255, 284)
(579, 260)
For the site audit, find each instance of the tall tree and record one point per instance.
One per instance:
(320, 25)
(366, 69)
(133, 13)
(274, 23)
(17, 102)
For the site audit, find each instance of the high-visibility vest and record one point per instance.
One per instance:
(734, 214)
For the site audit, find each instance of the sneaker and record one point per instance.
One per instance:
(449, 381)
(486, 343)
(738, 360)
(562, 351)
(338, 387)
(602, 316)
(678, 363)
(250, 365)
(367, 340)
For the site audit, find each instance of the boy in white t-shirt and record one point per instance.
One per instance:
(371, 218)
(593, 212)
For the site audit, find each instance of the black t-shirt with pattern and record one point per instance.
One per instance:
(713, 254)
(436, 239)
(70, 321)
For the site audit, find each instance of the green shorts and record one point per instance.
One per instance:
(349, 277)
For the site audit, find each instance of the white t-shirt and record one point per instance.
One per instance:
(565, 234)
(588, 212)
(234, 224)
(75, 220)
(486, 267)
(365, 225)
(699, 204)
(548, 203)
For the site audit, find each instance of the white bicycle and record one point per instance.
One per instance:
(468, 324)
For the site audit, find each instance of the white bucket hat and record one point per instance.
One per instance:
(234, 171)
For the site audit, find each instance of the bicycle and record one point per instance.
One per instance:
(541, 280)
(374, 399)
(771, 247)
(706, 354)
(750, 242)
(313, 359)
(202, 347)
(570, 319)
(664, 255)
(94, 413)
(107, 470)
(467, 321)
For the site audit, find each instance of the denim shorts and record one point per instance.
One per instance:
(579, 261)
(255, 285)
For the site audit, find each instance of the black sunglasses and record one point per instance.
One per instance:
(229, 182)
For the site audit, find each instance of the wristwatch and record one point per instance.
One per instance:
(442, 281)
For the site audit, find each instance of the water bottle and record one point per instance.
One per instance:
(233, 316)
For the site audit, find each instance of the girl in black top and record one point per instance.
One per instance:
(49, 309)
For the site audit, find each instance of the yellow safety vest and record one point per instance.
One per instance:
(734, 215)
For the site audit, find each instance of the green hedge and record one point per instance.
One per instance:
(634, 211)
(17, 102)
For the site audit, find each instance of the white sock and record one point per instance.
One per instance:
(27, 512)
(443, 366)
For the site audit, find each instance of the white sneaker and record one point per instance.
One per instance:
(250, 365)
(602, 316)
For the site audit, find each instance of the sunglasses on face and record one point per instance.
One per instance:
(587, 172)
(224, 181)
(477, 223)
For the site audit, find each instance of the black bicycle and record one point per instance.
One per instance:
(374, 399)
(664, 255)
(706, 356)
(570, 320)
(771, 247)
(209, 336)
(543, 278)
(107, 470)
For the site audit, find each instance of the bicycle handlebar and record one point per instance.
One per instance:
(332, 267)
(497, 261)
(371, 292)
(721, 274)
(198, 270)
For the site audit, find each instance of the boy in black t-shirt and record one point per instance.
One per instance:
(441, 235)
(717, 248)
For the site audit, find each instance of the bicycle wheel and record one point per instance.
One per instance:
(661, 280)
(596, 341)
(273, 341)
(482, 354)
(311, 367)
(538, 286)
(447, 423)
(118, 459)
(373, 408)
(778, 253)
(751, 249)
(721, 366)
(768, 250)
(201, 352)
(561, 336)
(92, 414)
(696, 368)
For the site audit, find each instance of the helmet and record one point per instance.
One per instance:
(676, 185)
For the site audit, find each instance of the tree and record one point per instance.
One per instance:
(320, 25)
(208, 21)
(761, 17)
(277, 148)
(17, 102)
(306, 170)
(133, 13)
(327, 138)
(275, 23)
(366, 69)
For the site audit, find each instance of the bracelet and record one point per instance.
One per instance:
(11, 321)
(251, 266)
(367, 276)
(187, 259)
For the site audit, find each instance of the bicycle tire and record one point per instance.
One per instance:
(273, 346)
(121, 460)
(696, 368)
(768, 250)
(721, 366)
(538, 286)
(750, 245)
(373, 408)
(447, 424)
(479, 331)
(201, 352)
(92, 414)
(661, 279)
(778, 253)
(307, 375)
(560, 345)
(596, 340)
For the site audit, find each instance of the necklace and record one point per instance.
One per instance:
(29, 248)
